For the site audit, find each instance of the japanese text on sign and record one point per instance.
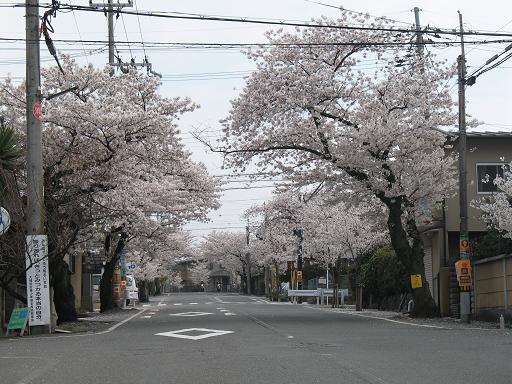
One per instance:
(38, 287)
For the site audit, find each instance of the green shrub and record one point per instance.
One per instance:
(381, 275)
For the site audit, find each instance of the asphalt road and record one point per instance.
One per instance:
(237, 339)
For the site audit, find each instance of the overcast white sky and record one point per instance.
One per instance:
(213, 77)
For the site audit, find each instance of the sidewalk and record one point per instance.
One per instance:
(397, 317)
(96, 321)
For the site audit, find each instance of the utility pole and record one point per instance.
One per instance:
(41, 311)
(300, 234)
(248, 259)
(35, 212)
(112, 60)
(465, 299)
(419, 35)
(110, 18)
(110, 33)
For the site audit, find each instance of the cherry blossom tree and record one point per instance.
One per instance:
(313, 112)
(331, 229)
(176, 280)
(112, 159)
(228, 249)
(199, 272)
(498, 208)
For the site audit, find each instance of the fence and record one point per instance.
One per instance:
(493, 283)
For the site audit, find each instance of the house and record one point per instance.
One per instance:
(487, 153)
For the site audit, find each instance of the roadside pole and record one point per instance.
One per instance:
(299, 233)
(38, 295)
(465, 298)
(248, 259)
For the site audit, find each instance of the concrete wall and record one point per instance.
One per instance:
(480, 150)
(493, 282)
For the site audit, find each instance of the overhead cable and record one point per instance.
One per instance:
(199, 17)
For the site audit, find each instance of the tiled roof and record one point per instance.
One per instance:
(481, 134)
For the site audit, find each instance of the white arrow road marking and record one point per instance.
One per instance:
(191, 314)
(207, 333)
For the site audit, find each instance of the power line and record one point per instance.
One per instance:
(126, 34)
(140, 29)
(262, 45)
(470, 80)
(357, 12)
(200, 17)
(254, 187)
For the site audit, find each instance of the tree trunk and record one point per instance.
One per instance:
(64, 296)
(106, 294)
(411, 256)
(143, 292)
(158, 287)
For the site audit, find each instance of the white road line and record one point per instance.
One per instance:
(384, 319)
(146, 305)
(398, 321)
(224, 310)
(193, 303)
(207, 333)
(219, 308)
(162, 304)
(178, 304)
(145, 317)
(230, 314)
(191, 314)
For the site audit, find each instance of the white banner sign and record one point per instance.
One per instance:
(38, 281)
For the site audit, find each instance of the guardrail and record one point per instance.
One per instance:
(318, 293)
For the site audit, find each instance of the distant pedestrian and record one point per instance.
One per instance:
(218, 287)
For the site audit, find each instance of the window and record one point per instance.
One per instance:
(485, 174)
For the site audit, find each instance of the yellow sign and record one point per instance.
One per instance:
(416, 281)
(463, 269)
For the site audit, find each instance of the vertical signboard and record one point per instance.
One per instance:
(38, 281)
(124, 292)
